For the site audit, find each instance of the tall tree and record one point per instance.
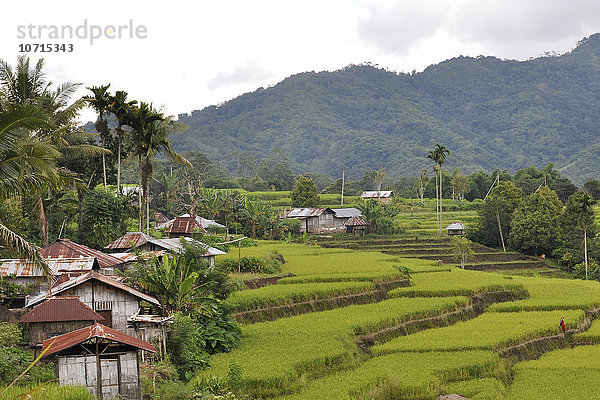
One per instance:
(434, 156)
(460, 184)
(305, 193)
(495, 216)
(443, 153)
(25, 86)
(379, 178)
(423, 179)
(121, 109)
(438, 155)
(535, 228)
(578, 216)
(100, 102)
(150, 138)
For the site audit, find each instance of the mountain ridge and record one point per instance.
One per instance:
(491, 113)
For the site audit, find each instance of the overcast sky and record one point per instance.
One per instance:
(193, 54)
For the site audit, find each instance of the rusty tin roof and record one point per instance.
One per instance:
(129, 240)
(307, 212)
(355, 221)
(31, 301)
(56, 309)
(184, 225)
(23, 268)
(203, 222)
(65, 248)
(71, 339)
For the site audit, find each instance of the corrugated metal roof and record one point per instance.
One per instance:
(84, 278)
(65, 248)
(23, 268)
(355, 221)
(307, 212)
(169, 244)
(175, 245)
(129, 240)
(159, 217)
(347, 212)
(184, 225)
(456, 226)
(203, 222)
(375, 194)
(71, 339)
(57, 309)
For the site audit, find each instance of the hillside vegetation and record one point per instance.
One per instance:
(489, 112)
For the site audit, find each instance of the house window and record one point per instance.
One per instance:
(104, 308)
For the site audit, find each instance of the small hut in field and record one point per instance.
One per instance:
(100, 358)
(456, 228)
(384, 196)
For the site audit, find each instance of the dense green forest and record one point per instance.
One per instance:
(492, 113)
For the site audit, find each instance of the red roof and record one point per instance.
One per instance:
(56, 309)
(71, 283)
(355, 221)
(71, 339)
(184, 225)
(65, 248)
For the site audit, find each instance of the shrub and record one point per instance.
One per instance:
(593, 270)
(10, 334)
(253, 265)
(292, 226)
(185, 345)
(191, 339)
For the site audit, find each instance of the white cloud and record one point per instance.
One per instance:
(522, 29)
(203, 53)
(398, 28)
(250, 72)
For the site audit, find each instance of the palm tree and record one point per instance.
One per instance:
(149, 138)
(438, 155)
(24, 167)
(25, 86)
(39, 130)
(100, 102)
(121, 109)
(443, 153)
(434, 156)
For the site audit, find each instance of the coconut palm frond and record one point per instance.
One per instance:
(85, 150)
(16, 244)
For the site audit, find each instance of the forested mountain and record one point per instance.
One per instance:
(491, 113)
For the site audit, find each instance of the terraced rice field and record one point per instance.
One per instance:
(450, 331)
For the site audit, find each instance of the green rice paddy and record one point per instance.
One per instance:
(326, 354)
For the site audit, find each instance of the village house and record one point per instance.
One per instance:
(57, 316)
(116, 302)
(185, 225)
(323, 220)
(24, 272)
(384, 196)
(65, 248)
(159, 218)
(102, 359)
(356, 226)
(140, 241)
(456, 228)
